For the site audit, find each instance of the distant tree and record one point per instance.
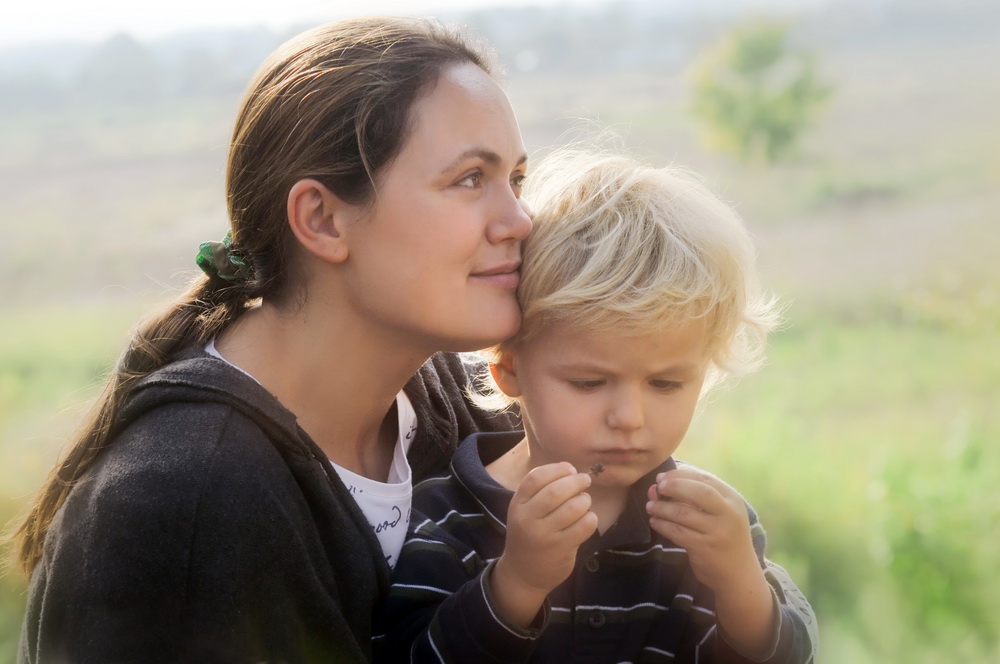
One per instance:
(754, 95)
(121, 69)
(29, 90)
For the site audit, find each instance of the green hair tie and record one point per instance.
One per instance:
(219, 259)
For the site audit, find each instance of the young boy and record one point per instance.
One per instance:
(581, 539)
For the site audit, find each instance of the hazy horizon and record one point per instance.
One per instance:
(53, 21)
(64, 20)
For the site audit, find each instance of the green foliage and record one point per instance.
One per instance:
(12, 590)
(866, 447)
(755, 96)
(52, 361)
(852, 189)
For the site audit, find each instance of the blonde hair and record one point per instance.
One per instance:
(619, 245)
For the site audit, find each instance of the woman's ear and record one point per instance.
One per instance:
(504, 372)
(319, 219)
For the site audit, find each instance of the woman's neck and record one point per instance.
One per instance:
(338, 379)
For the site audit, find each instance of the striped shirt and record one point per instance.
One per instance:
(632, 596)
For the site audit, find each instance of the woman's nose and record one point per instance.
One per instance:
(512, 221)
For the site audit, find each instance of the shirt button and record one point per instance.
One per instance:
(592, 564)
(596, 619)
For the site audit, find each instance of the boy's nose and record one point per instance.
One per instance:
(626, 412)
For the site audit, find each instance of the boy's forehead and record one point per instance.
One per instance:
(617, 326)
(682, 342)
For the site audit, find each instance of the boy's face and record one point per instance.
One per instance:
(624, 400)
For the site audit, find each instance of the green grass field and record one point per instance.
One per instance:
(867, 442)
(864, 444)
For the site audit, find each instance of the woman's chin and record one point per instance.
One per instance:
(487, 336)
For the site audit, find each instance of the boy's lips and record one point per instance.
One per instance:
(621, 455)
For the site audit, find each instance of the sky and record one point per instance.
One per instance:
(31, 21)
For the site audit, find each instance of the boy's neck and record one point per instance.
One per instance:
(608, 503)
(510, 467)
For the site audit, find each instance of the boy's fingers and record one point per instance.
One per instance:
(695, 493)
(555, 495)
(704, 493)
(697, 475)
(541, 477)
(676, 532)
(678, 513)
(563, 484)
(568, 512)
(582, 528)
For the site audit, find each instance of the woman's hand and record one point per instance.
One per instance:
(706, 516)
(549, 517)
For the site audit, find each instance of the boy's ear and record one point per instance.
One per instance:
(319, 219)
(504, 374)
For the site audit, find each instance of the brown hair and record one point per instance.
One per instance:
(332, 104)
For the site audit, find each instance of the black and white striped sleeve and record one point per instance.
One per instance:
(440, 606)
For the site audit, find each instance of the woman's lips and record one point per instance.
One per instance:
(502, 276)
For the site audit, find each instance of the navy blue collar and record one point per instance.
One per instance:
(481, 449)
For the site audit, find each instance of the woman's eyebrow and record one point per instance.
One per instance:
(489, 156)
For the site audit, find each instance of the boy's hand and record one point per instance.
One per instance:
(707, 517)
(549, 517)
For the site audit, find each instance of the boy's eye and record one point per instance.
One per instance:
(665, 385)
(587, 385)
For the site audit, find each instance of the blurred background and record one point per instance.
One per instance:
(859, 139)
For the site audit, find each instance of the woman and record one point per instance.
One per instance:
(222, 505)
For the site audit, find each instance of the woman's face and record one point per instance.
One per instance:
(435, 261)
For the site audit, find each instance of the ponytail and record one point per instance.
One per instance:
(206, 309)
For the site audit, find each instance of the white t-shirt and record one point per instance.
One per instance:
(386, 505)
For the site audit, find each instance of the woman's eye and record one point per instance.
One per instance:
(472, 180)
(517, 182)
